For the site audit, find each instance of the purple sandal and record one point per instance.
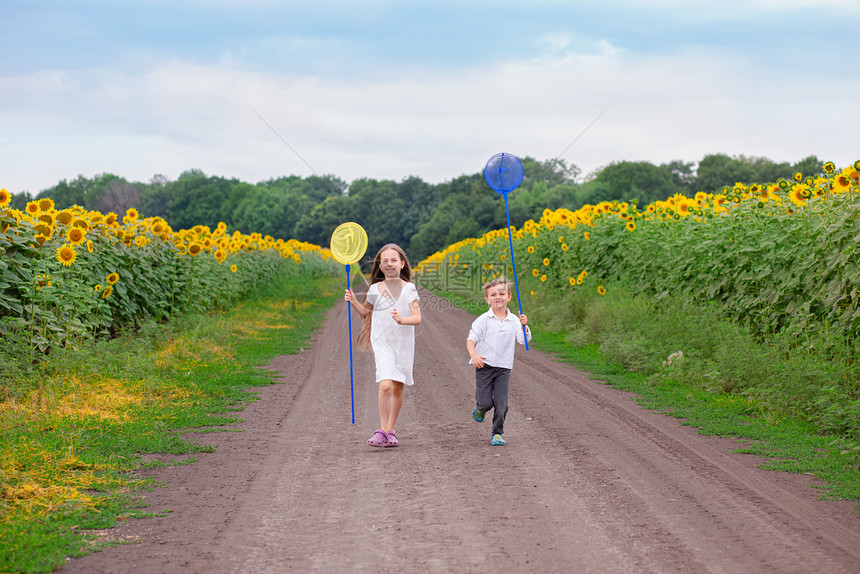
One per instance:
(392, 439)
(379, 438)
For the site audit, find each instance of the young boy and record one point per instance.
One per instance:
(491, 350)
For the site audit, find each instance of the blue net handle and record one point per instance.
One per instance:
(349, 320)
(514, 270)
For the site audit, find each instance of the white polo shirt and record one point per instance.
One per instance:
(495, 339)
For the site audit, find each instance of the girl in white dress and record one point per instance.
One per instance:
(390, 313)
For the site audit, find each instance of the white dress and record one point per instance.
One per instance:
(393, 344)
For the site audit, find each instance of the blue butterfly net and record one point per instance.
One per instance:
(504, 172)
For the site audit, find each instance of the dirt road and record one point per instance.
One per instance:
(589, 482)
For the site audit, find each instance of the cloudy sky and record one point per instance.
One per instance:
(385, 89)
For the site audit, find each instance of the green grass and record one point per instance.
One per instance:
(42, 545)
(194, 373)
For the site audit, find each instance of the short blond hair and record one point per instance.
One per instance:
(495, 282)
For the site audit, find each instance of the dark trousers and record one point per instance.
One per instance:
(491, 392)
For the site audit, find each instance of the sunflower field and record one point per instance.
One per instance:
(73, 274)
(93, 376)
(779, 258)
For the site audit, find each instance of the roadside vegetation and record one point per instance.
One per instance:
(91, 415)
(116, 334)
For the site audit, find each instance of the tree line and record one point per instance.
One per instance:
(420, 216)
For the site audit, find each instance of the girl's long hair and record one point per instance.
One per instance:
(376, 275)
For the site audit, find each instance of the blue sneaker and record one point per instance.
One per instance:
(498, 440)
(478, 414)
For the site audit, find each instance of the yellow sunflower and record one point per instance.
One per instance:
(564, 246)
(32, 208)
(542, 278)
(601, 290)
(43, 281)
(545, 261)
(587, 236)
(535, 272)
(66, 254)
(44, 229)
(108, 291)
(828, 167)
(841, 183)
(76, 235)
(194, 249)
(798, 176)
(5, 197)
(571, 280)
(90, 246)
(82, 223)
(113, 278)
(631, 225)
(233, 268)
(531, 249)
(131, 214)
(796, 195)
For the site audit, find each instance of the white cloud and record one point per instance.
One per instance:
(179, 116)
(556, 42)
